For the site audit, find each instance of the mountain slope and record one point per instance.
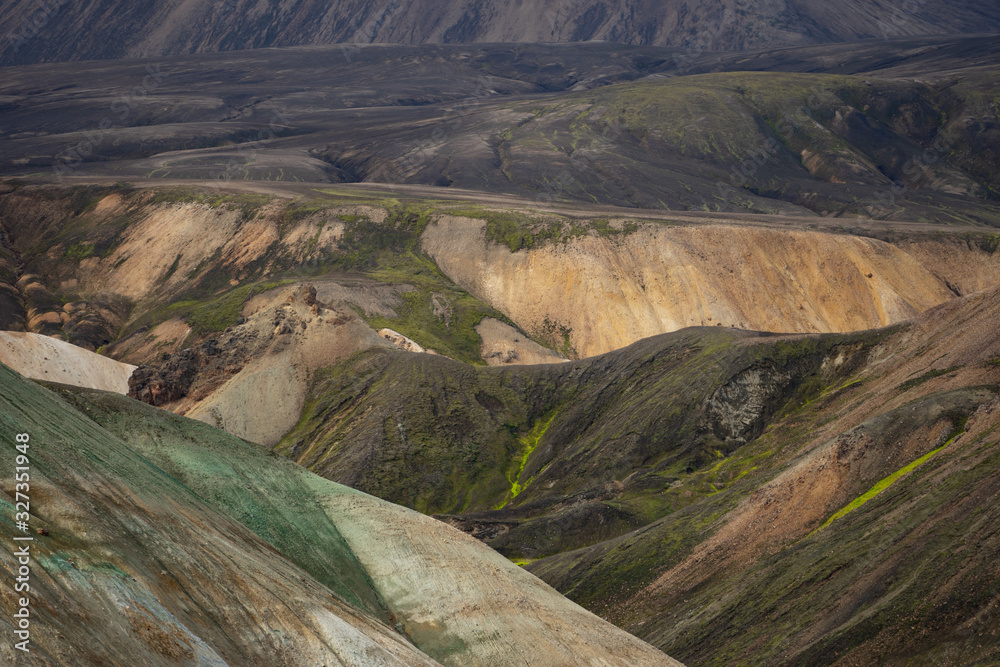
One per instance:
(53, 360)
(56, 31)
(865, 533)
(602, 291)
(178, 542)
(745, 497)
(905, 129)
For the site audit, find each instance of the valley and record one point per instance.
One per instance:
(465, 346)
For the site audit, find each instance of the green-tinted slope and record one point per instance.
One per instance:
(164, 541)
(267, 494)
(161, 575)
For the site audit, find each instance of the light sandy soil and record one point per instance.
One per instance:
(503, 345)
(455, 591)
(291, 338)
(44, 358)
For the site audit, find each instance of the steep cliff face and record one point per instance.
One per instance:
(601, 293)
(53, 30)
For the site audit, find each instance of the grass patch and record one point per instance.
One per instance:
(528, 444)
(519, 231)
(246, 203)
(416, 318)
(886, 482)
(206, 314)
(80, 251)
(222, 312)
(929, 375)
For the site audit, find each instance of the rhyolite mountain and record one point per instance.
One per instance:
(159, 540)
(725, 494)
(59, 31)
(704, 338)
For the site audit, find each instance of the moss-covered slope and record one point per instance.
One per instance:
(442, 436)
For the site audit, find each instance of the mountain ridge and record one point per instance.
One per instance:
(55, 31)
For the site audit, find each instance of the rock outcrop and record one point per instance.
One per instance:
(251, 379)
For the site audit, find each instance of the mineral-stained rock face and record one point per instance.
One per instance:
(159, 540)
(604, 293)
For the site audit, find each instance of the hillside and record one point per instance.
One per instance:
(52, 360)
(177, 542)
(738, 496)
(864, 532)
(899, 129)
(111, 266)
(56, 32)
(570, 334)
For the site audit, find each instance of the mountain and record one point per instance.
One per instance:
(697, 324)
(859, 528)
(162, 540)
(56, 31)
(841, 130)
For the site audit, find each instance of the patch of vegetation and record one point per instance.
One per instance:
(528, 444)
(515, 230)
(206, 313)
(416, 318)
(80, 251)
(882, 485)
(519, 231)
(246, 203)
(559, 337)
(222, 312)
(300, 210)
(929, 375)
(988, 243)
